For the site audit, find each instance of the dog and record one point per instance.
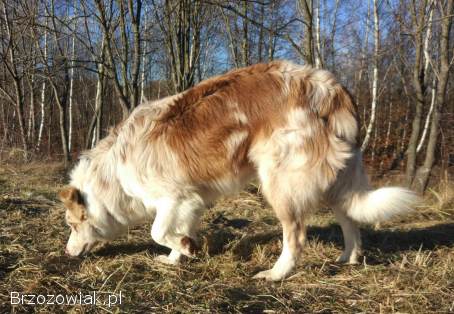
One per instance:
(293, 127)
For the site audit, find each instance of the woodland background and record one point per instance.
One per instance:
(70, 70)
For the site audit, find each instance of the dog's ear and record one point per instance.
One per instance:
(74, 201)
(71, 195)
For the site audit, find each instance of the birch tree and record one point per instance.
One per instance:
(94, 128)
(371, 124)
(144, 58)
(43, 88)
(71, 84)
(426, 76)
(318, 47)
(59, 82)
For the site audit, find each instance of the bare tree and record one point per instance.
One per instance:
(426, 76)
(318, 46)
(11, 62)
(57, 75)
(144, 59)
(429, 115)
(43, 88)
(374, 78)
(306, 8)
(94, 128)
(245, 59)
(181, 23)
(419, 18)
(446, 11)
(364, 50)
(126, 85)
(71, 85)
(332, 38)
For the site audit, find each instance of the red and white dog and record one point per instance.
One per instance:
(293, 127)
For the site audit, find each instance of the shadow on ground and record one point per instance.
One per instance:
(111, 250)
(379, 243)
(392, 241)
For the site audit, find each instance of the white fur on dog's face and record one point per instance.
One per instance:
(83, 236)
(84, 233)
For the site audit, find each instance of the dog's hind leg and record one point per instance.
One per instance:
(352, 238)
(350, 182)
(294, 236)
(280, 188)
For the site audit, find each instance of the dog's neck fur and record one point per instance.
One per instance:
(95, 175)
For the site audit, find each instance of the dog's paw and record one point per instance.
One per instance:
(189, 246)
(347, 259)
(269, 275)
(164, 259)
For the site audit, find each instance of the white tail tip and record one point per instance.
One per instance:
(382, 204)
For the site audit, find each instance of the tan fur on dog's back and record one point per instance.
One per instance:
(201, 120)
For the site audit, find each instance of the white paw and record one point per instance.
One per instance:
(164, 259)
(350, 259)
(269, 275)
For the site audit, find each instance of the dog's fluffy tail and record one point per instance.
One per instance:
(381, 204)
(352, 194)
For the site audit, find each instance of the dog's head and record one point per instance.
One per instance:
(89, 224)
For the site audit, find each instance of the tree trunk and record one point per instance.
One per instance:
(375, 78)
(20, 116)
(233, 50)
(318, 47)
(333, 33)
(388, 134)
(94, 128)
(136, 53)
(423, 173)
(261, 43)
(429, 115)
(108, 32)
(31, 117)
(363, 58)
(418, 85)
(19, 100)
(71, 92)
(245, 44)
(43, 92)
(144, 70)
(306, 8)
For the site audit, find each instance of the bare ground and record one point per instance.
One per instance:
(408, 264)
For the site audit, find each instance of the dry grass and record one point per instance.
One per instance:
(408, 264)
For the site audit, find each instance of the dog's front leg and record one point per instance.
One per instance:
(172, 259)
(175, 226)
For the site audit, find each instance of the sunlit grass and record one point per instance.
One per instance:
(408, 264)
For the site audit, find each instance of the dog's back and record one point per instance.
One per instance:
(220, 131)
